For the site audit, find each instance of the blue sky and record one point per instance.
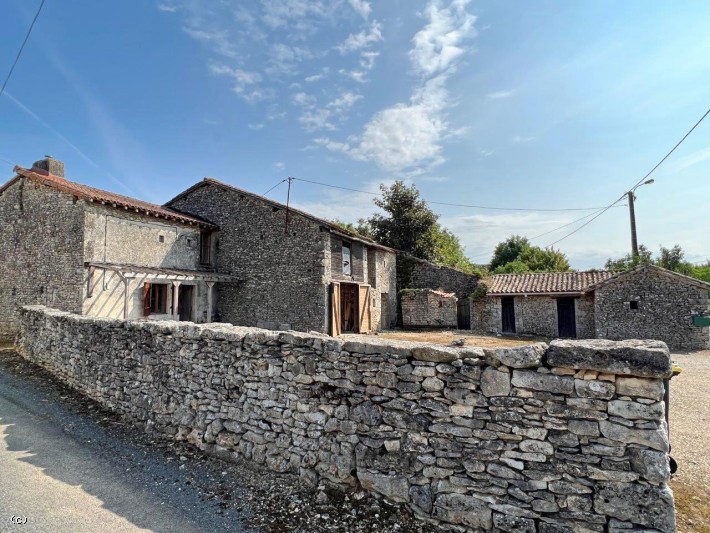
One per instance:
(545, 105)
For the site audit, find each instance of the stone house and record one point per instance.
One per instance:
(92, 252)
(647, 302)
(423, 308)
(299, 271)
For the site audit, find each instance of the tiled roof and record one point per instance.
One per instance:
(545, 282)
(104, 197)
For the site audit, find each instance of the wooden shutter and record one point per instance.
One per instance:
(335, 309)
(365, 311)
(146, 299)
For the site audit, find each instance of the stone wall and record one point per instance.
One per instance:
(413, 273)
(285, 272)
(534, 315)
(428, 308)
(559, 439)
(41, 251)
(665, 306)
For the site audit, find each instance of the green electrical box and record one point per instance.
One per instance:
(701, 321)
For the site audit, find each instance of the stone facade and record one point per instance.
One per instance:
(42, 249)
(287, 268)
(534, 315)
(428, 308)
(665, 305)
(413, 273)
(559, 439)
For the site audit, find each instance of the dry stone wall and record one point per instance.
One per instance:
(428, 308)
(558, 439)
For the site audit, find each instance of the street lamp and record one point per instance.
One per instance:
(632, 216)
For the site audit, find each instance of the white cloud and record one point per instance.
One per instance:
(485, 153)
(255, 127)
(304, 100)
(315, 77)
(408, 137)
(284, 59)
(365, 38)
(367, 59)
(218, 39)
(435, 179)
(279, 165)
(521, 139)
(691, 159)
(499, 95)
(325, 118)
(167, 8)
(362, 7)
(246, 84)
(439, 44)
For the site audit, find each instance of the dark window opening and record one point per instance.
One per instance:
(205, 247)
(155, 299)
(161, 239)
(633, 304)
(347, 259)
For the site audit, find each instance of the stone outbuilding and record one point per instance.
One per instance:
(647, 302)
(300, 271)
(423, 308)
(97, 253)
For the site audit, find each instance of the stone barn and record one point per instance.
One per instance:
(647, 302)
(423, 308)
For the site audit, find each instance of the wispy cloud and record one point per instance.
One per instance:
(325, 117)
(521, 139)
(691, 160)
(362, 39)
(362, 7)
(408, 136)
(500, 95)
(167, 8)
(245, 84)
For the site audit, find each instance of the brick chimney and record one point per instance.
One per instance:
(51, 165)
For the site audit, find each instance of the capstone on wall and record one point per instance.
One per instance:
(665, 307)
(564, 438)
(283, 266)
(428, 308)
(41, 245)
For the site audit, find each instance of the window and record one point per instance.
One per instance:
(634, 304)
(347, 261)
(155, 299)
(161, 238)
(205, 247)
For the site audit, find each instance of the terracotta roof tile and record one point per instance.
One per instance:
(545, 282)
(105, 197)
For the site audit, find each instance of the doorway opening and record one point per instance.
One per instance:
(566, 321)
(508, 313)
(185, 298)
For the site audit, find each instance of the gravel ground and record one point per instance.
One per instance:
(226, 496)
(690, 435)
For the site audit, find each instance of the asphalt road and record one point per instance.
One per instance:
(62, 472)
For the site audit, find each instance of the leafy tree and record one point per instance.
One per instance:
(517, 255)
(408, 224)
(674, 259)
(702, 272)
(628, 262)
(508, 251)
(362, 227)
(449, 252)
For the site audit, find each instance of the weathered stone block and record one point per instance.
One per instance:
(641, 504)
(528, 379)
(518, 357)
(495, 383)
(462, 509)
(643, 388)
(629, 357)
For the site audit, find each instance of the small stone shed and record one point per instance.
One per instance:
(647, 302)
(428, 308)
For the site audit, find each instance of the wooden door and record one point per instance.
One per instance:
(185, 298)
(335, 309)
(508, 313)
(566, 321)
(463, 313)
(364, 309)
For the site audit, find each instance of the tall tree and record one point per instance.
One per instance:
(628, 262)
(408, 224)
(669, 258)
(449, 252)
(517, 255)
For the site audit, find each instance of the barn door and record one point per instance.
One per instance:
(463, 313)
(335, 309)
(508, 314)
(566, 322)
(365, 310)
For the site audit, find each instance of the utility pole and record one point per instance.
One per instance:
(288, 199)
(632, 216)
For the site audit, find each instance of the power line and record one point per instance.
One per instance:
(19, 52)
(452, 204)
(638, 183)
(272, 188)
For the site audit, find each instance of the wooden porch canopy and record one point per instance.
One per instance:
(170, 274)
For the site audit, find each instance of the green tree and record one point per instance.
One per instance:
(702, 272)
(508, 251)
(517, 255)
(408, 224)
(449, 252)
(674, 259)
(668, 258)
(362, 227)
(628, 262)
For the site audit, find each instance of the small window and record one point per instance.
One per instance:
(155, 299)
(347, 264)
(205, 247)
(161, 238)
(634, 304)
